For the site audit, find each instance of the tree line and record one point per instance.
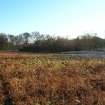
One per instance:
(36, 42)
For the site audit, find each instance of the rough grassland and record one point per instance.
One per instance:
(51, 80)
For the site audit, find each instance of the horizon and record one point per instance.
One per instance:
(66, 18)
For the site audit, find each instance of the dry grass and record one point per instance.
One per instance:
(51, 80)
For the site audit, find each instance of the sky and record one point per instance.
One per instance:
(68, 18)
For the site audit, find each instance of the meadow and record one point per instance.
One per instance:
(47, 79)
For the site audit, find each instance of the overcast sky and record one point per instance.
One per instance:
(68, 18)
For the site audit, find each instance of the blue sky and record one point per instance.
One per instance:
(68, 18)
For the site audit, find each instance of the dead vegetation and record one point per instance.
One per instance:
(45, 80)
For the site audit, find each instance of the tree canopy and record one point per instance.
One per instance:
(36, 42)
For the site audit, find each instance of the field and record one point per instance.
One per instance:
(47, 79)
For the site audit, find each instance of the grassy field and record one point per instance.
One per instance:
(47, 79)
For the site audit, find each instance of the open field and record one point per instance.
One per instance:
(85, 54)
(41, 79)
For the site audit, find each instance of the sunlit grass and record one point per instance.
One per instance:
(51, 80)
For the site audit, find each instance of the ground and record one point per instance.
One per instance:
(50, 79)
